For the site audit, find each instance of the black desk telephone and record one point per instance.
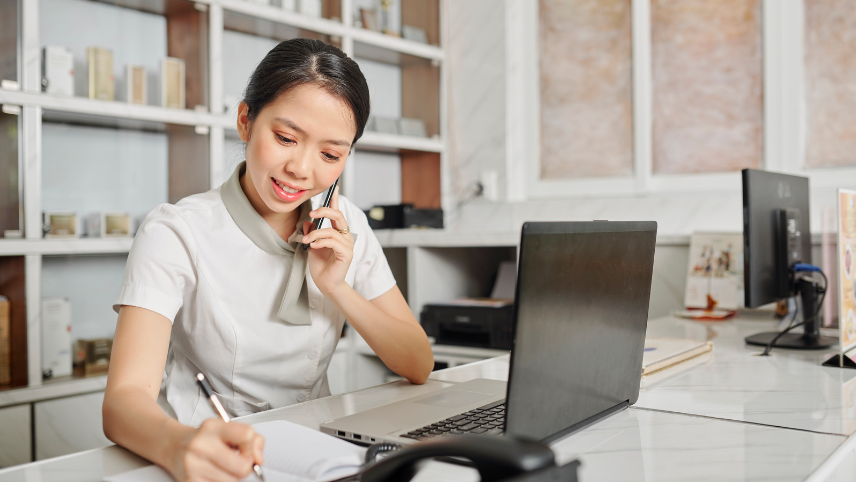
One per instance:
(498, 459)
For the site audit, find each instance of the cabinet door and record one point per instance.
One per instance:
(16, 444)
(69, 425)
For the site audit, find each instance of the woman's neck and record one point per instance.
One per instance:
(284, 224)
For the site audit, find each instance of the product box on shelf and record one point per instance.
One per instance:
(93, 355)
(398, 216)
(57, 70)
(172, 83)
(5, 342)
(56, 337)
(412, 127)
(101, 80)
(311, 8)
(60, 225)
(135, 76)
(109, 225)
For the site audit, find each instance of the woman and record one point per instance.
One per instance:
(218, 283)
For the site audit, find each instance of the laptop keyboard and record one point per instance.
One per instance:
(486, 420)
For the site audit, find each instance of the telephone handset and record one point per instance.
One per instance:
(498, 459)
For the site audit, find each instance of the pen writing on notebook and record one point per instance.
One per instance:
(218, 407)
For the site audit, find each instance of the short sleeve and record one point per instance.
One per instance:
(372, 274)
(160, 271)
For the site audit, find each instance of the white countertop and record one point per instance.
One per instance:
(726, 415)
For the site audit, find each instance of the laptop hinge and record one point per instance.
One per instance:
(585, 423)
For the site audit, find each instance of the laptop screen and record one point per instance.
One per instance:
(581, 313)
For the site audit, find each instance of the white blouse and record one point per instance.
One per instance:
(193, 264)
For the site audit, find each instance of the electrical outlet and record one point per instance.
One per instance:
(490, 190)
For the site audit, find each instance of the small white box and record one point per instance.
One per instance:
(57, 70)
(311, 8)
(109, 225)
(290, 5)
(56, 337)
(60, 225)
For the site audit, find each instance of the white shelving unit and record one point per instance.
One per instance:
(36, 107)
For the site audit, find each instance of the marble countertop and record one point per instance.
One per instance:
(726, 415)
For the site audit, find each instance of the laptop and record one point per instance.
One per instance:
(580, 317)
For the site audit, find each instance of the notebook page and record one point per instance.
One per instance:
(294, 449)
(293, 453)
(153, 473)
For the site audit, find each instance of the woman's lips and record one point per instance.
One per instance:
(284, 195)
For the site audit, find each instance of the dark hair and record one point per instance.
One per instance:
(305, 61)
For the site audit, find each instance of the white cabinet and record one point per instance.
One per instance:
(16, 443)
(68, 425)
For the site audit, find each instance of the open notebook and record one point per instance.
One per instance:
(293, 453)
(665, 352)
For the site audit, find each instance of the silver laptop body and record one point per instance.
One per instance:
(581, 312)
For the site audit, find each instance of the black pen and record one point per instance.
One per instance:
(218, 407)
(326, 205)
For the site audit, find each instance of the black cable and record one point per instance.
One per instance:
(377, 449)
(812, 318)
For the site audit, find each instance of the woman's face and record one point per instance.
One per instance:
(296, 146)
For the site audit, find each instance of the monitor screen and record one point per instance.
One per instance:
(776, 233)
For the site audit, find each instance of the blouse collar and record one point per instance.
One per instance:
(294, 307)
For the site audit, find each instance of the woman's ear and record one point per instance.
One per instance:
(243, 121)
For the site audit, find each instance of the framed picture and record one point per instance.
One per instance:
(369, 18)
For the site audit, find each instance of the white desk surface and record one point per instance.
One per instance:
(727, 415)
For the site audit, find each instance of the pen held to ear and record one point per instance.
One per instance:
(326, 205)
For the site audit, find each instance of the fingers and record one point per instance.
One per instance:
(241, 437)
(342, 251)
(326, 233)
(334, 203)
(212, 453)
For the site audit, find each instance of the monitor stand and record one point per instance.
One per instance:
(810, 338)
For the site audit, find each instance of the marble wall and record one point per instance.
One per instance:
(476, 94)
(586, 88)
(707, 85)
(830, 74)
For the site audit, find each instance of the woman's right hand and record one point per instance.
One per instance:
(217, 452)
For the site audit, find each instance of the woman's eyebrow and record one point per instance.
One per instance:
(294, 126)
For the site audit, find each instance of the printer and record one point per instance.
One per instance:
(476, 322)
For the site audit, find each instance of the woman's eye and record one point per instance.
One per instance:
(330, 157)
(284, 139)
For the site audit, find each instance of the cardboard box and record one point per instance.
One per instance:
(93, 355)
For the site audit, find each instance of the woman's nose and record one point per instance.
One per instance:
(299, 164)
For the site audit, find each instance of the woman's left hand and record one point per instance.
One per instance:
(330, 251)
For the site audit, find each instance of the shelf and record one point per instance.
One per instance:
(393, 143)
(59, 246)
(57, 388)
(372, 141)
(441, 238)
(332, 27)
(120, 110)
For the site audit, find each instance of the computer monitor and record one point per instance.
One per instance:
(776, 237)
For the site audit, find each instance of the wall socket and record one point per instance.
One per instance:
(489, 182)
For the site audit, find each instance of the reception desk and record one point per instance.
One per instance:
(725, 415)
